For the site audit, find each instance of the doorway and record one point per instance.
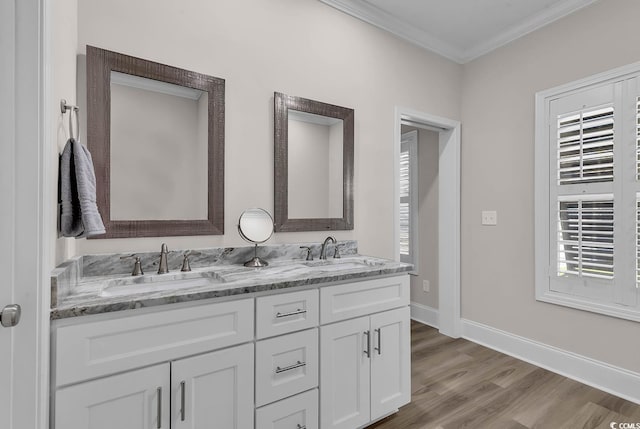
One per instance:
(439, 137)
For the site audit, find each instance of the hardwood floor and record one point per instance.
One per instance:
(459, 384)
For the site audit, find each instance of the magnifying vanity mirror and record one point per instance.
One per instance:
(313, 165)
(255, 226)
(156, 133)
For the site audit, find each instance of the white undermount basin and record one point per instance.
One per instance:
(342, 264)
(132, 287)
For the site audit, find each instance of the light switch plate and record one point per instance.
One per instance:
(490, 218)
(426, 285)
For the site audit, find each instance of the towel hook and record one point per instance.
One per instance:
(64, 107)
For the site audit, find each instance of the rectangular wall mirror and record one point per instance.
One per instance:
(313, 165)
(156, 133)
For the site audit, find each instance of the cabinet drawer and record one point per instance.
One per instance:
(95, 349)
(287, 312)
(286, 365)
(300, 411)
(351, 300)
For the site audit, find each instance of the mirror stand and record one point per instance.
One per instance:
(256, 262)
(255, 226)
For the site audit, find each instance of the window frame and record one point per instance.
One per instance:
(545, 144)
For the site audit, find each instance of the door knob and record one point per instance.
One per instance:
(10, 315)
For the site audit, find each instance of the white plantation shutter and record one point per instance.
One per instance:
(585, 146)
(585, 238)
(583, 138)
(637, 241)
(591, 148)
(637, 138)
(408, 197)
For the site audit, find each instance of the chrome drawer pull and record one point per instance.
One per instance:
(159, 410)
(290, 367)
(292, 313)
(300, 427)
(182, 401)
(368, 350)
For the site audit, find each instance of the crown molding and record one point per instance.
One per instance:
(368, 13)
(532, 23)
(381, 19)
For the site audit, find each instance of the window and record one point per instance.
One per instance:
(588, 194)
(409, 198)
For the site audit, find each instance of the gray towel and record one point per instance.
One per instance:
(79, 213)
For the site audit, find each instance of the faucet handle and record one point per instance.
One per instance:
(164, 248)
(309, 255)
(336, 251)
(137, 266)
(185, 262)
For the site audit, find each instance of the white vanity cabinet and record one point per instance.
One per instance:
(365, 362)
(99, 384)
(184, 394)
(329, 357)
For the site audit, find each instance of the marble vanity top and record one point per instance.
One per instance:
(81, 294)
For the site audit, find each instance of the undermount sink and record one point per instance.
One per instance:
(342, 264)
(137, 285)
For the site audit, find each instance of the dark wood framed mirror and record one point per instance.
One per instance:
(156, 134)
(313, 165)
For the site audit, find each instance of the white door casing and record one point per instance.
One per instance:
(449, 322)
(24, 232)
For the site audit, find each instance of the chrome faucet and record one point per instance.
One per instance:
(162, 267)
(323, 250)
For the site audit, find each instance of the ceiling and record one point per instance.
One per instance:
(460, 30)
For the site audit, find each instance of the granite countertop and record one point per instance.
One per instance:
(101, 294)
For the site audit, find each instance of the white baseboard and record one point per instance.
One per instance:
(617, 381)
(424, 314)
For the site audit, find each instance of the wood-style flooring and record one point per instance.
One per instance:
(459, 384)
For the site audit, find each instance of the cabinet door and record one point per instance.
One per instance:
(390, 361)
(344, 374)
(133, 400)
(213, 390)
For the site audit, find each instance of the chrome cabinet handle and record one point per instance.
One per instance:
(368, 350)
(10, 315)
(379, 348)
(159, 411)
(300, 427)
(182, 401)
(298, 364)
(291, 313)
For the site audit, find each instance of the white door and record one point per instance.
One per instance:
(344, 374)
(23, 254)
(133, 400)
(213, 390)
(390, 361)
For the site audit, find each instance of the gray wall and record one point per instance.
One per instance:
(333, 58)
(498, 174)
